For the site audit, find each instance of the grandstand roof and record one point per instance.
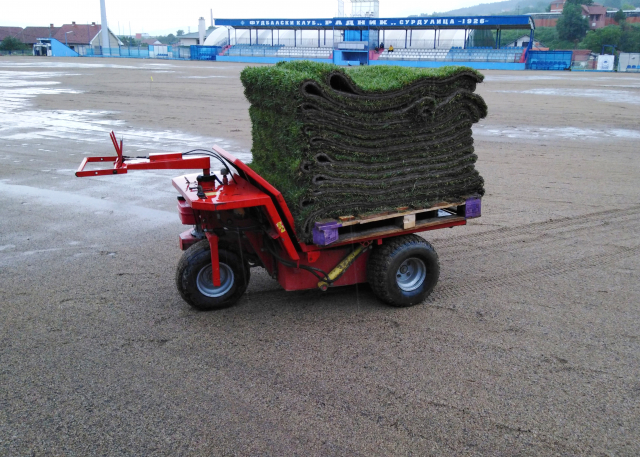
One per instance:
(454, 22)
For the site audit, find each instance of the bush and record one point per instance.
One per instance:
(12, 44)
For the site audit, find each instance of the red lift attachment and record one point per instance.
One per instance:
(240, 221)
(158, 161)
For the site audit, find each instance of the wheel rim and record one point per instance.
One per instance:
(411, 274)
(205, 281)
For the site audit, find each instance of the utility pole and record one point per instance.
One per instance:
(105, 27)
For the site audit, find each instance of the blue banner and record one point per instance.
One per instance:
(408, 22)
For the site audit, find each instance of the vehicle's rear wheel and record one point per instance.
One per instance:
(403, 271)
(194, 277)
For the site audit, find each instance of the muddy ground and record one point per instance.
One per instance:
(530, 344)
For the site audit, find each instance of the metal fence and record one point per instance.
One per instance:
(121, 51)
(23, 52)
(170, 52)
(142, 52)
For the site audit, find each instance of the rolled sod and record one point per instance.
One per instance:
(351, 141)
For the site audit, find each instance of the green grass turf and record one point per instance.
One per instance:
(341, 141)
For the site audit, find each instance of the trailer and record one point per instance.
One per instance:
(239, 221)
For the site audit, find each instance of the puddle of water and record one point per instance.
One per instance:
(80, 202)
(525, 77)
(203, 77)
(572, 133)
(630, 86)
(605, 95)
(489, 78)
(46, 64)
(19, 123)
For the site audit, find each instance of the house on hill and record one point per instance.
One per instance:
(189, 39)
(79, 37)
(597, 15)
(523, 42)
(30, 35)
(9, 32)
(151, 42)
(595, 12)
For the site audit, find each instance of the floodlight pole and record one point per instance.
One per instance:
(66, 43)
(104, 26)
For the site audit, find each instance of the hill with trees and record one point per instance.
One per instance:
(509, 7)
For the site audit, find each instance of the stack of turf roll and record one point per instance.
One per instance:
(359, 140)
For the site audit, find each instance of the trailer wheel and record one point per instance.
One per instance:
(403, 271)
(193, 278)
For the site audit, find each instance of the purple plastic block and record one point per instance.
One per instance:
(472, 208)
(325, 233)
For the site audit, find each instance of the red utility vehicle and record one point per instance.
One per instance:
(240, 221)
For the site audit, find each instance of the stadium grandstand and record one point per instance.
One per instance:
(422, 42)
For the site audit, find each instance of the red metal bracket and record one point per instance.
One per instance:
(157, 161)
(215, 258)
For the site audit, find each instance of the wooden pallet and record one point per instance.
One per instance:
(404, 217)
(371, 230)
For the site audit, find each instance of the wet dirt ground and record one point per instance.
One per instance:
(529, 345)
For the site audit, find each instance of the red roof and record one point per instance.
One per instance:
(30, 35)
(594, 8)
(9, 31)
(82, 33)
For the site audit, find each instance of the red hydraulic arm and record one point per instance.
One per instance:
(156, 161)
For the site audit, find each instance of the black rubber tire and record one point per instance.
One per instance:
(198, 257)
(385, 260)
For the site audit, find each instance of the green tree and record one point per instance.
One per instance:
(595, 39)
(630, 38)
(619, 16)
(169, 39)
(12, 44)
(129, 41)
(180, 32)
(571, 26)
(627, 6)
(482, 38)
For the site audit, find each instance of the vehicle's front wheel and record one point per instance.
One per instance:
(194, 278)
(403, 271)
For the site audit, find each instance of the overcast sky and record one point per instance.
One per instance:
(158, 16)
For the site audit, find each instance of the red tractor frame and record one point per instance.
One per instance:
(240, 221)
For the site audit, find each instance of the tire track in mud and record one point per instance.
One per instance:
(531, 276)
(594, 230)
(533, 230)
(604, 225)
(541, 233)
